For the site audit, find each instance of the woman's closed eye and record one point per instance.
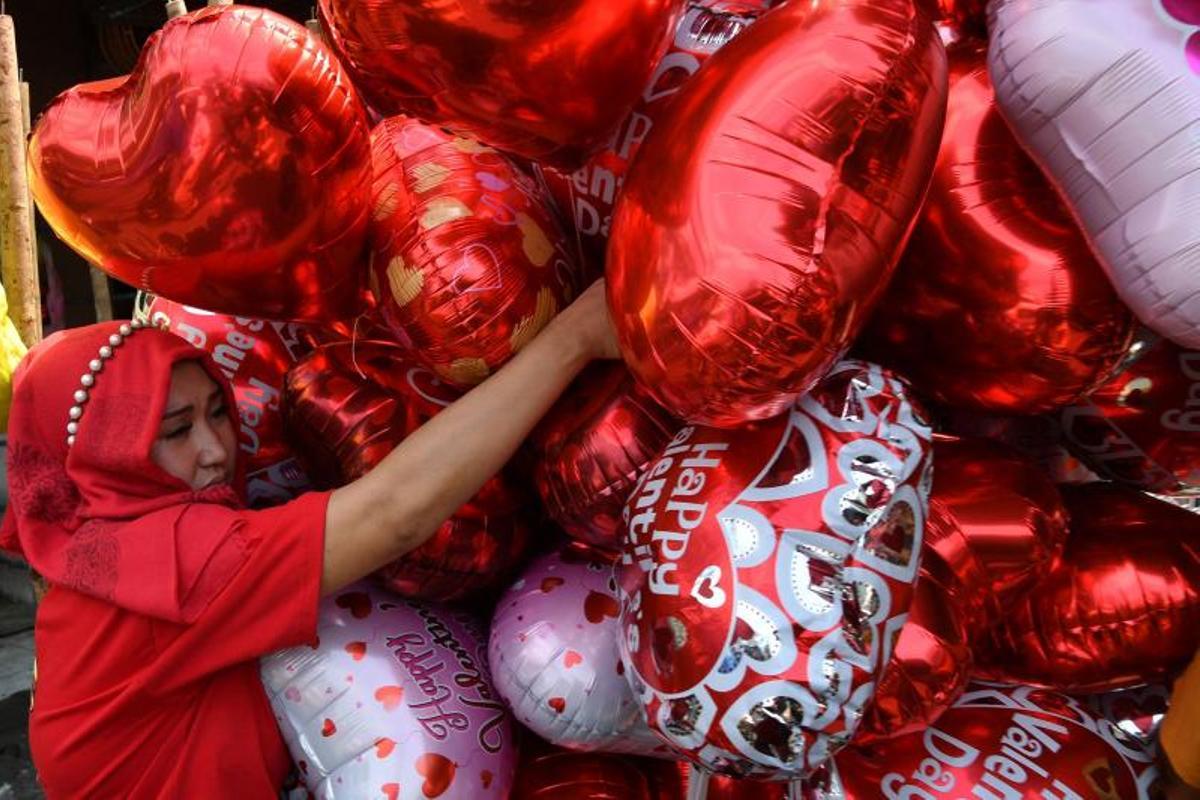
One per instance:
(179, 432)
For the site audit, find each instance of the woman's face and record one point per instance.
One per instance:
(196, 440)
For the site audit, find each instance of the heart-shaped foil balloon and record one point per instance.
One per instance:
(347, 405)
(590, 192)
(554, 657)
(590, 449)
(393, 701)
(766, 572)
(998, 303)
(996, 525)
(468, 260)
(254, 355)
(1123, 607)
(1105, 94)
(1141, 427)
(546, 80)
(229, 171)
(1000, 742)
(743, 262)
(930, 664)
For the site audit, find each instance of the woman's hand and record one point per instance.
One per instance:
(400, 503)
(588, 320)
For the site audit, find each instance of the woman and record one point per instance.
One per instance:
(165, 591)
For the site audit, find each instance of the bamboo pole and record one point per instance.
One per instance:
(17, 265)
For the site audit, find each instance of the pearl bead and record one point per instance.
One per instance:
(115, 340)
(81, 395)
(72, 427)
(106, 352)
(75, 413)
(70, 440)
(125, 329)
(88, 380)
(95, 365)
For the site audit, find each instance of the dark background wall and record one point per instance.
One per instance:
(64, 42)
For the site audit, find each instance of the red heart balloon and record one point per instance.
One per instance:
(468, 261)
(544, 80)
(1011, 516)
(1142, 426)
(229, 171)
(254, 355)
(766, 569)
(996, 525)
(1123, 607)
(743, 263)
(999, 741)
(547, 772)
(998, 303)
(590, 193)
(347, 405)
(590, 449)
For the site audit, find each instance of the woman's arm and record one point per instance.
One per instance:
(400, 503)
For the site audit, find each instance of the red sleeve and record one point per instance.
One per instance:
(268, 600)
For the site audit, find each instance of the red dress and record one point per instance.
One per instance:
(163, 597)
(131, 706)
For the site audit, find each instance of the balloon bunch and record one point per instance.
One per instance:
(886, 276)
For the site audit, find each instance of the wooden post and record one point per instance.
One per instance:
(17, 264)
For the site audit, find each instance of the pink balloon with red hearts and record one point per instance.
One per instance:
(394, 699)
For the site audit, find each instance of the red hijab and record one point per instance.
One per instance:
(98, 515)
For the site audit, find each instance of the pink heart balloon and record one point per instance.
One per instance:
(1105, 94)
(230, 171)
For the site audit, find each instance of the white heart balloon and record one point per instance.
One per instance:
(1105, 94)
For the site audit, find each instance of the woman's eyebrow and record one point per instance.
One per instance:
(175, 412)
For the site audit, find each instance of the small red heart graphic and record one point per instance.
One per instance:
(384, 747)
(620, 668)
(357, 650)
(358, 603)
(571, 658)
(303, 767)
(598, 605)
(328, 729)
(485, 778)
(557, 703)
(389, 696)
(438, 772)
(551, 583)
(391, 790)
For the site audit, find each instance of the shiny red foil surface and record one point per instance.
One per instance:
(998, 303)
(230, 171)
(737, 289)
(468, 260)
(548, 81)
(348, 405)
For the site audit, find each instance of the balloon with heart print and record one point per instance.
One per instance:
(346, 406)
(999, 741)
(1121, 609)
(230, 171)
(548, 81)
(590, 449)
(554, 657)
(742, 265)
(394, 694)
(1106, 97)
(998, 304)
(254, 355)
(767, 569)
(1141, 427)
(589, 194)
(468, 260)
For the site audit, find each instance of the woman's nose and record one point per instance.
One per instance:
(212, 450)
